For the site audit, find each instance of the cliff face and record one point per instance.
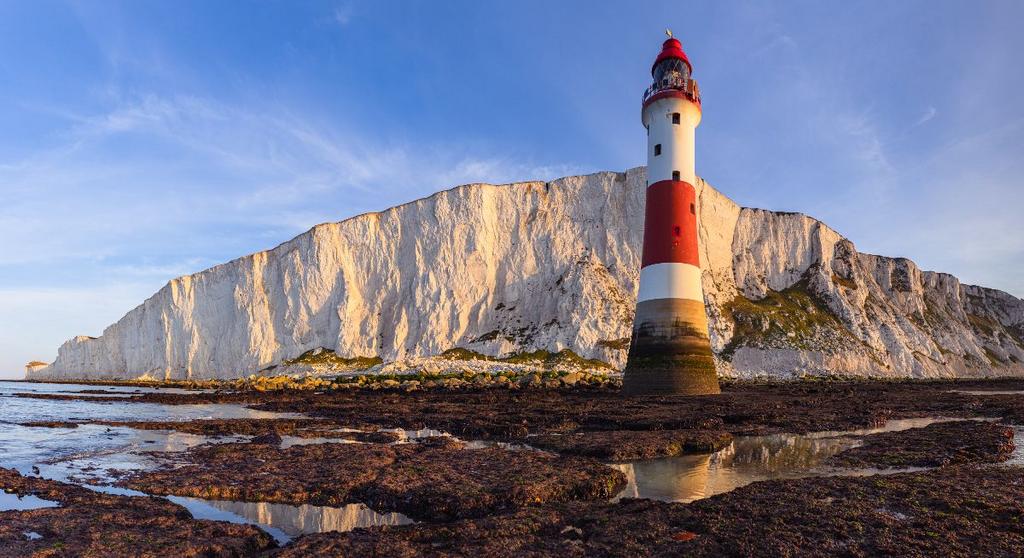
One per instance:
(552, 266)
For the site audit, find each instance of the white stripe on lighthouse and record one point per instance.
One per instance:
(670, 280)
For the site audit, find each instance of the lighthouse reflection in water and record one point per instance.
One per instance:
(750, 459)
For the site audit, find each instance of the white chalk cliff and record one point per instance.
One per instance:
(551, 266)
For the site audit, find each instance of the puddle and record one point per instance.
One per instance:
(894, 425)
(751, 459)
(483, 444)
(288, 441)
(13, 502)
(412, 435)
(404, 437)
(1017, 457)
(987, 392)
(281, 521)
(290, 521)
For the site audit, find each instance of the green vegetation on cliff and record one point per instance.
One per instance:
(793, 318)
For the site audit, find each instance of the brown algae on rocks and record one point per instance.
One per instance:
(437, 479)
(91, 524)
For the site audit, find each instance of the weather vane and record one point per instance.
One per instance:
(668, 32)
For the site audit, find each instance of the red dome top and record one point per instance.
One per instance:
(672, 48)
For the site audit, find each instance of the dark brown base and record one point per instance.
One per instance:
(690, 375)
(670, 353)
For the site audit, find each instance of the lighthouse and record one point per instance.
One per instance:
(670, 352)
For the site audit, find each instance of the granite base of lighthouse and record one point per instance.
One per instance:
(670, 353)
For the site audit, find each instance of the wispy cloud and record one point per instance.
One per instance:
(927, 115)
(343, 13)
(866, 143)
(251, 166)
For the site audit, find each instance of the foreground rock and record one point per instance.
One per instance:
(89, 524)
(623, 445)
(956, 511)
(936, 445)
(438, 479)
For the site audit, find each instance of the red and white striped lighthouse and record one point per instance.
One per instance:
(670, 351)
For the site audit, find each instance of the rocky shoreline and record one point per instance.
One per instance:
(525, 471)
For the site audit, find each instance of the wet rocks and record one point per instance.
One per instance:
(742, 408)
(50, 424)
(271, 438)
(317, 474)
(300, 428)
(438, 480)
(936, 445)
(623, 445)
(956, 511)
(90, 524)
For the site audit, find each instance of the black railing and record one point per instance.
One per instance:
(687, 86)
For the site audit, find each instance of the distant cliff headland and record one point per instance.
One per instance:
(532, 271)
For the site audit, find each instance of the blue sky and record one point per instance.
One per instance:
(143, 140)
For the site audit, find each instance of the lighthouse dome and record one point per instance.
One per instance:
(672, 75)
(671, 50)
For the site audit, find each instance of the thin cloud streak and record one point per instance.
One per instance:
(928, 114)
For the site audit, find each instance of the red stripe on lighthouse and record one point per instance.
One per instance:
(670, 228)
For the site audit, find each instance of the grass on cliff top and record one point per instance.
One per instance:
(565, 357)
(328, 358)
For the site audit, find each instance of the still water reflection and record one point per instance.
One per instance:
(749, 459)
(293, 521)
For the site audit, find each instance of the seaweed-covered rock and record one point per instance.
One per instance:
(438, 479)
(936, 445)
(90, 524)
(622, 445)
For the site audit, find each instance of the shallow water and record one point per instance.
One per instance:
(75, 389)
(1017, 457)
(987, 392)
(23, 447)
(9, 502)
(94, 456)
(290, 521)
(751, 459)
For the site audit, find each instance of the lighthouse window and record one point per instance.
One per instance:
(675, 175)
(657, 149)
(693, 209)
(671, 71)
(675, 118)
